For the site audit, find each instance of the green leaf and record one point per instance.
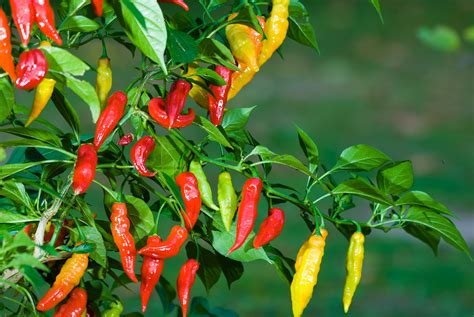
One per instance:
(94, 237)
(25, 259)
(141, 218)
(7, 98)
(145, 27)
(377, 7)
(442, 38)
(61, 61)
(233, 270)
(214, 52)
(168, 156)
(424, 234)
(182, 47)
(66, 110)
(300, 29)
(236, 119)
(213, 132)
(395, 178)
(247, 17)
(79, 23)
(209, 266)
(468, 34)
(210, 76)
(76, 5)
(3, 155)
(87, 93)
(284, 159)
(361, 187)
(34, 134)
(11, 169)
(13, 217)
(422, 199)
(361, 158)
(309, 148)
(167, 295)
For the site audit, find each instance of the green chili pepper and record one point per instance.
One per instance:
(203, 185)
(114, 311)
(227, 199)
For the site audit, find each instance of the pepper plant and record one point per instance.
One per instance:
(149, 158)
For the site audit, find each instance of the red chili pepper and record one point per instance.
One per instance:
(110, 117)
(219, 100)
(98, 7)
(176, 98)
(139, 154)
(49, 232)
(120, 226)
(31, 69)
(247, 213)
(151, 272)
(44, 16)
(6, 59)
(188, 184)
(23, 15)
(186, 279)
(157, 111)
(181, 3)
(62, 233)
(126, 139)
(270, 228)
(75, 305)
(84, 171)
(168, 248)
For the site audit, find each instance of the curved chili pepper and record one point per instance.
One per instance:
(219, 100)
(168, 248)
(203, 184)
(114, 310)
(75, 305)
(240, 79)
(139, 154)
(43, 93)
(176, 99)
(84, 171)
(126, 139)
(270, 228)
(31, 69)
(98, 7)
(120, 226)
(181, 3)
(304, 246)
(157, 111)
(44, 17)
(151, 272)
(68, 278)
(354, 261)
(199, 94)
(23, 15)
(227, 199)
(6, 59)
(103, 82)
(247, 213)
(109, 118)
(186, 279)
(188, 184)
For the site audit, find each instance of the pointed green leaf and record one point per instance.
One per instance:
(361, 157)
(395, 178)
(361, 187)
(419, 198)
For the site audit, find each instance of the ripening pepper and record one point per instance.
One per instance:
(67, 279)
(120, 226)
(139, 155)
(114, 310)
(247, 213)
(354, 261)
(218, 102)
(32, 67)
(126, 139)
(227, 199)
(157, 111)
(44, 17)
(186, 279)
(304, 246)
(151, 272)
(109, 118)
(85, 168)
(270, 228)
(75, 305)
(6, 58)
(188, 184)
(203, 184)
(168, 248)
(103, 83)
(24, 16)
(181, 3)
(199, 94)
(43, 93)
(98, 7)
(176, 99)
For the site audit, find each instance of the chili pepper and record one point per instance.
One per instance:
(75, 305)
(275, 31)
(44, 17)
(98, 7)
(67, 279)
(186, 279)
(176, 99)
(43, 93)
(188, 184)
(62, 233)
(139, 154)
(151, 272)
(84, 171)
(304, 246)
(199, 94)
(27, 229)
(6, 59)
(270, 228)
(306, 276)
(247, 213)
(114, 310)
(157, 111)
(49, 232)
(103, 82)
(109, 118)
(227, 199)
(31, 69)
(126, 139)
(240, 80)
(23, 15)
(181, 3)
(219, 100)
(120, 226)
(168, 248)
(203, 185)
(354, 261)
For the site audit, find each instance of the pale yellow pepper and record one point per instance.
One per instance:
(354, 261)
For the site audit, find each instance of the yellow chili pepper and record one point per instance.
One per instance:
(199, 94)
(240, 80)
(354, 260)
(324, 234)
(103, 83)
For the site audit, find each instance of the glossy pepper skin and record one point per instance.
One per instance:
(85, 168)
(304, 246)
(181, 3)
(67, 279)
(186, 279)
(44, 17)
(227, 199)
(176, 99)
(354, 261)
(247, 213)
(32, 67)
(306, 276)
(151, 272)
(168, 248)
(125, 140)
(199, 94)
(188, 184)
(24, 16)
(75, 305)
(114, 310)
(139, 154)
(270, 228)
(43, 94)
(157, 111)
(98, 7)
(218, 102)
(109, 118)
(120, 226)
(203, 184)
(103, 83)
(6, 59)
